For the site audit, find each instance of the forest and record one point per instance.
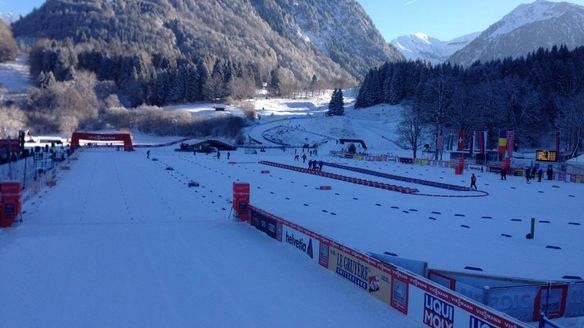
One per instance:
(533, 96)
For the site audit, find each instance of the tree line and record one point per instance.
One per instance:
(532, 95)
(8, 48)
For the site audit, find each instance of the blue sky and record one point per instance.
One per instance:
(21, 7)
(443, 19)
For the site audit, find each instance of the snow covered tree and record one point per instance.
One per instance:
(337, 103)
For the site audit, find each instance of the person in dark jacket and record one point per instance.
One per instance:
(503, 173)
(320, 165)
(528, 174)
(550, 173)
(473, 182)
(304, 158)
(539, 175)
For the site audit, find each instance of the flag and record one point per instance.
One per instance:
(558, 143)
(460, 140)
(485, 143)
(481, 142)
(510, 142)
(502, 142)
(440, 143)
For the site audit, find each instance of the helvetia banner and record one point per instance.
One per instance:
(301, 242)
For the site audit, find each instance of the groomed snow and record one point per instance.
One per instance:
(123, 242)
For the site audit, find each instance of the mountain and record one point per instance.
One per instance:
(527, 28)
(421, 46)
(9, 18)
(333, 39)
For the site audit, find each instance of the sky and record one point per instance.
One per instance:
(20, 7)
(442, 19)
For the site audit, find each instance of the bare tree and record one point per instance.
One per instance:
(8, 48)
(411, 130)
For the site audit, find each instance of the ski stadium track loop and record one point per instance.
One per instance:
(415, 181)
(374, 184)
(368, 183)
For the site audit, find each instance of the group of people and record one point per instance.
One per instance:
(532, 172)
(315, 165)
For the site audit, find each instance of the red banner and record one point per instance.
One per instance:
(460, 140)
(558, 143)
(510, 141)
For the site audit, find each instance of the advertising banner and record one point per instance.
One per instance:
(267, 225)
(303, 243)
(575, 300)
(517, 302)
(399, 292)
(361, 273)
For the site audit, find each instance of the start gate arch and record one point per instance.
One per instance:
(125, 137)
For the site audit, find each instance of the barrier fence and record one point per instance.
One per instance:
(399, 178)
(520, 298)
(418, 298)
(363, 182)
(469, 165)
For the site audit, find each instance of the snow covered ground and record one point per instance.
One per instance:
(15, 75)
(122, 242)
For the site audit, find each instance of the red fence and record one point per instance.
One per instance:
(420, 299)
(368, 183)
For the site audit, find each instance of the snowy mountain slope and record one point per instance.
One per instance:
(9, 18)
(345, 33)
(527, 28)
(421, 46)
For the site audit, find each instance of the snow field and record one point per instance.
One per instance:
(122, 242)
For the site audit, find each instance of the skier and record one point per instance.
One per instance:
(473, 181)
(148, 154)
(539, 175)
(297, 157)
(228, 155)
(304, 158)
(550, 173)
(320, 165)
(528, 174)
(218, 155)
(310, 163)
(503, 173)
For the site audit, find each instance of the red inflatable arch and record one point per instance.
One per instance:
(125, 137)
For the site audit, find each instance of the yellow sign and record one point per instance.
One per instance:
(361, 273)
(546, 156)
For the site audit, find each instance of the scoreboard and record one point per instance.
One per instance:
(546, 156)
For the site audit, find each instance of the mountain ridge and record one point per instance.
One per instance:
(524, 30)
(422, 46)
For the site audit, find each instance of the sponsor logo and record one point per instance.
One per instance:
(300, 244)
(352, 270)
(373, 284)
(478, 323)
(323, 257)
(437, 313)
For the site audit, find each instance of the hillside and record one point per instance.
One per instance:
(525, 29)
(305, 38)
